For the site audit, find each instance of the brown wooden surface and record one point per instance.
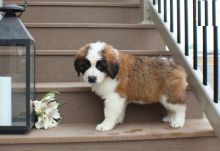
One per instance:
(73, 52)
(83, 109)
(79, 3)
(70, 36)
(183, 144)
(91, 1)
(58, 65)
(148, 25)
(133, 131)
(86, 107)
(81, 13)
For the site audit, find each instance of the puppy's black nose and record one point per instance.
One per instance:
(92, 79)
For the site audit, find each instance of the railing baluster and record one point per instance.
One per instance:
(213, 13)
(154, 2)
(178, 22)
(159, 6)
(195, 55)
(165, 10)
(206, 13)
(216, 72)
(171, 15)
(215, 36)
(186, 28)
(199, 12)
(205, 63)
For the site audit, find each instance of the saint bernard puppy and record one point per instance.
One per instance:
(121, 79)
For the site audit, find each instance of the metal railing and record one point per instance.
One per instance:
(185, 25)
(197, 17)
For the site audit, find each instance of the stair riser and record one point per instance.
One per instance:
(82, 107)
(61, 38)
(71, 14)
(52, 68)
(192, 144)
(56, 68)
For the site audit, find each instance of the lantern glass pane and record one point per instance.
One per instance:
(13, 86)
(32, 79)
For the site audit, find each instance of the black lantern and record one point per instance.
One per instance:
(17, 70)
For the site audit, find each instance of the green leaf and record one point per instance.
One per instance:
(58, 120)
(38, 114)
(51, 94)
(60, 103)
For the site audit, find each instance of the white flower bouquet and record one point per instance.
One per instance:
(46, 111)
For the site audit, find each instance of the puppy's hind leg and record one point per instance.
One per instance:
(176, 113)
(114, 107)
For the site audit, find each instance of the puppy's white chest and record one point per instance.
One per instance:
(106, 88)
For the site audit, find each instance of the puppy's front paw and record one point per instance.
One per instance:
(104, 126)
(178, 123)
(167, 119)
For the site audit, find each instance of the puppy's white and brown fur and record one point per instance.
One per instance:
(121, 79)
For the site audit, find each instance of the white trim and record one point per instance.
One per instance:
(145, 11)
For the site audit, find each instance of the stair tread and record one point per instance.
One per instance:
(63, 86)
(73, 52)
(149, 24)
(104, 1)
(88, 4)
(66, 133)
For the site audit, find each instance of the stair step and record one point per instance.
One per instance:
(81, 12)
(81, 105)
(70, 36)
(149, 25)
(73, 133)
(89, 4)
(133, 52)
(48, 70)
(63, 87)
(91, 1)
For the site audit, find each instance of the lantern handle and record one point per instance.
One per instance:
(25, 4)
(12, 10)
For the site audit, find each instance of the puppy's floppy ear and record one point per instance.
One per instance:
(77, 66)
(110, 55)
(80, 54)
(112, 68)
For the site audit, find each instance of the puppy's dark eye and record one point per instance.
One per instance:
(101, 65)
(84, 65)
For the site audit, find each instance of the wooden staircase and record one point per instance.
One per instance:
(60, 28)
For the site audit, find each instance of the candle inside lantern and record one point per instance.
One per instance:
(5, 101)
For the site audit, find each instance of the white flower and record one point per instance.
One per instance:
(53, 105)
(40, 123)
(39, 106)
(47, 112)
(45, 122)
(47, 118)
(49, 97)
